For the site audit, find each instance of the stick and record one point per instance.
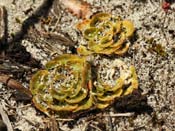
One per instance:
(5, 118)
(120, 114)
(13, 84)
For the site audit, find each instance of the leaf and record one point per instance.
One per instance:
(78, 8)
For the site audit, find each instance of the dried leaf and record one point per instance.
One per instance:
(78, 8)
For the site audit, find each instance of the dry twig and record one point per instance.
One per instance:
(52, 124)
(119, 115)
(5, 118)
(110, 125)
(13, 84)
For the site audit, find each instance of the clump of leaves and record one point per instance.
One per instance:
(105, 34)
(66, 85)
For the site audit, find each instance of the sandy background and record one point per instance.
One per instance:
(156, 72)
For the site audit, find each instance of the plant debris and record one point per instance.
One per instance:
(79, 8)
(14, 84)
(158, 48)
(5, 119)
(166, 6)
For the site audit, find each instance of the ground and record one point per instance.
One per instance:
(152, 52)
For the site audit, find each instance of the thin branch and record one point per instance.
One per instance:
(61, 119)
(53, 124)
(110, 125)
(5, 118)
(95, 127)
(120, 115)
(13, 84)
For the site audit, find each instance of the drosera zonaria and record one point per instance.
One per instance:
(105, 34)
(66, 85)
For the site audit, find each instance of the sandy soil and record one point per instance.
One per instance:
(156, 71)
